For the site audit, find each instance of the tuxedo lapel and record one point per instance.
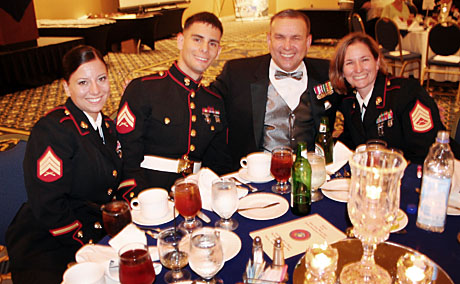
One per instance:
(259, 88)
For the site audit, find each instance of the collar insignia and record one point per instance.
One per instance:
(378, 100)
(83, 125)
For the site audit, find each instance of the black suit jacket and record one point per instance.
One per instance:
(244, 83)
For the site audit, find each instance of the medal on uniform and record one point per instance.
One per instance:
(323, 90)
(217, 116)
(207, 115)
(380, 129)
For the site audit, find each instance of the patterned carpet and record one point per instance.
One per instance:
(20, 110)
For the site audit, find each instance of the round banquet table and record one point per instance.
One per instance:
(442, 248)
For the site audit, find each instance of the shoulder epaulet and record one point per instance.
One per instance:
(155, 76)
(211, 92)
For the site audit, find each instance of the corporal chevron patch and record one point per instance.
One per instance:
(420, 117)
(126, 120)
(49, 166)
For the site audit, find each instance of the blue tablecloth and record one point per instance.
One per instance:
(442, 248)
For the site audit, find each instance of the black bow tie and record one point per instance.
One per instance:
(294, 75)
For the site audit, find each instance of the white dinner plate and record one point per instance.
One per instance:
(243, 173)
(111, 271)
(336, 189)
(401, 221)
(231, 243)
(261, 199)
(140, 220)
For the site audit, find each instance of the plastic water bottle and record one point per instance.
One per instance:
(438, 170)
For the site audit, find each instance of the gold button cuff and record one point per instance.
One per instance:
(114, 173)
(109, 191)
(80, 234)
(97, 225)
(167, 120)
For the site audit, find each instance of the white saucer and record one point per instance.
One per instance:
(452, 211)
(401, 221)
(261, 199)
(111, 271)
(140, 220)
(243, 173)
(231, 243)
(336, 189)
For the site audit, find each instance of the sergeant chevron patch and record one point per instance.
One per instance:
(49, 166)
(125, 120)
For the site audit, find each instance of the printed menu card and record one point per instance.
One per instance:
(299, 234)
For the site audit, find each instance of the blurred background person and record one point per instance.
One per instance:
(71, 167)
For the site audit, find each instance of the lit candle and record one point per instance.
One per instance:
(321, 261)
(373, 192)
(415, 273)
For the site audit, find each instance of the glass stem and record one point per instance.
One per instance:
(177, 273)
(368, 255)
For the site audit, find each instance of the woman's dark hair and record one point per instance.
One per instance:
(77, 56)
(338, 60)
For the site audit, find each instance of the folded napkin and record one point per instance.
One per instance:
(204, 178)
(449, 58)
(102, 253)
(454, 197)
(130, 234)
(340, 157)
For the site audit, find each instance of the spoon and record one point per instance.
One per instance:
(259, 207)
(251, 187)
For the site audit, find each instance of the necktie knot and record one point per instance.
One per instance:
(294, 75)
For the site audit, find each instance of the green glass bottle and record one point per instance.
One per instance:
(301, 183)
(324, 145)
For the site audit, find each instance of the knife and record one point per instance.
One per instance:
(203, 216)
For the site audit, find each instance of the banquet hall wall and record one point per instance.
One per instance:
(54, 9)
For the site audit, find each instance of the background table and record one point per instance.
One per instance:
(442, 248)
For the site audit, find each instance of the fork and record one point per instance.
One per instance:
(250, 187)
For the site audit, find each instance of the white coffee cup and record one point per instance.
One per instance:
(257, 164)
(152, 203)
(86, 272)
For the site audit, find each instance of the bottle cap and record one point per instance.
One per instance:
(442, 137)
(411, 208)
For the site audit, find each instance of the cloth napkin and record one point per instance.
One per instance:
(130, 234)
(340, 157)
(204, 177)
(454, 197)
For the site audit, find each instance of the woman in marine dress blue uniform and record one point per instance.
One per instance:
(71, 167)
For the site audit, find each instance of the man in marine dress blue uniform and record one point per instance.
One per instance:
(169, 124)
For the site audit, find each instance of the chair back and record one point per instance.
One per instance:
(387, 34)
(356, 23)
(12, 189)
(455, 130)
(444, 38)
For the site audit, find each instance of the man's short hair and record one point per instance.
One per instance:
(204, 17)
(293, 14)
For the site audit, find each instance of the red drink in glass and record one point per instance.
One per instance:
(281, 165)
(115, 216)
(136, 267)
(187, 199)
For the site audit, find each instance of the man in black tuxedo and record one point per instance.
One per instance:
(278, 98)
